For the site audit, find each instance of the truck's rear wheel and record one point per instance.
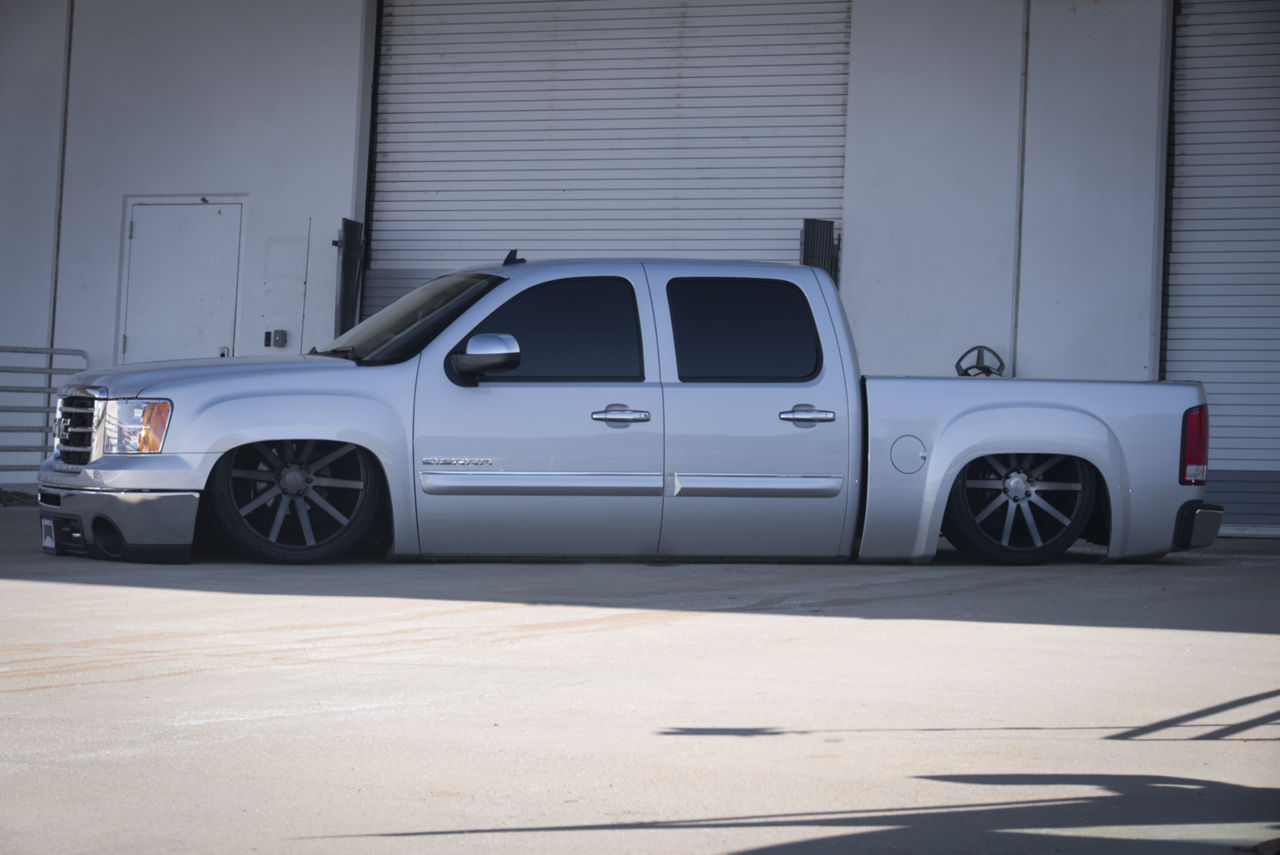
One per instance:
(295, 500)
(1020, 508)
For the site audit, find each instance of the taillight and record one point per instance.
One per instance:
(1195, 446)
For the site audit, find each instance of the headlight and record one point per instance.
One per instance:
(131, 426)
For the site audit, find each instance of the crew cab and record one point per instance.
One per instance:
(619, 408)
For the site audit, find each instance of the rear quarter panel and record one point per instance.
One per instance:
(1129, 432)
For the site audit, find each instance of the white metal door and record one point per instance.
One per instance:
(529, 464)
(182, 272)
(758, 439)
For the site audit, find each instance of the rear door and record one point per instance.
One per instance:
(562, 455)
(757, 413)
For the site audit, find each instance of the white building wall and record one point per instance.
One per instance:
(32, 63)
(32, 50)
(931, 181)
(945, 244)
(957, 234)
(1093, 198)
(237, 98)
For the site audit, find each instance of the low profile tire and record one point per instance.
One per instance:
(295, 501)
(1020, 508)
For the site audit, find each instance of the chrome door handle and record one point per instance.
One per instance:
(621, 416)
(805, 413)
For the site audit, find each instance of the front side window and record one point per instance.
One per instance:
(739, 330)
(585, 329)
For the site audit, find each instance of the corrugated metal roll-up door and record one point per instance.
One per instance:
(1223, 293)
(706, 128)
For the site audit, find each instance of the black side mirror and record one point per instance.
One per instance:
(485, 353)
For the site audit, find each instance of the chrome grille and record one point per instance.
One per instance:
(74, 429)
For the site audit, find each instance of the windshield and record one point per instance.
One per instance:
(402, 329)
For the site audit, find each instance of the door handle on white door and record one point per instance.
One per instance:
(620, 415)
(806, 413)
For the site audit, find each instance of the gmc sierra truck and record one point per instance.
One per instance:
(619, 408)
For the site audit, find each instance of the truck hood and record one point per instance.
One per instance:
(130, 381)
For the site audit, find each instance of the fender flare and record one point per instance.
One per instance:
(1002, 429)
(1031, 430)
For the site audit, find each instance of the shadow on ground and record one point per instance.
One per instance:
(1203, 590)
(1135, 814)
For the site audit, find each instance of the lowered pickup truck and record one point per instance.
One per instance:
(617, 408)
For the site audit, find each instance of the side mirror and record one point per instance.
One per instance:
(485, 353)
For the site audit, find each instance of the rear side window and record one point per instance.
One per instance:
(742, 331)
(584, 329)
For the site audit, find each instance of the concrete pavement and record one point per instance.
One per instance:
(587, 707)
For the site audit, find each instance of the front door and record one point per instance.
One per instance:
(183, 269)
(561, 455)
(759, 436)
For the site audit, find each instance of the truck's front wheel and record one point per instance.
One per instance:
(1020, 508)
(295, 501)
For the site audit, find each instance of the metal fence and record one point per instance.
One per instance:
(27, 408)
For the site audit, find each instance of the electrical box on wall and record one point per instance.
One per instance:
(275, 338)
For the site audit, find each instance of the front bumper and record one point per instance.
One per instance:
(1197, 525)
(133, 525)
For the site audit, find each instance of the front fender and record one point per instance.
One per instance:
(219, 425)
(905, 510)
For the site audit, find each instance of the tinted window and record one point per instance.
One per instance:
(742, 330)
(572, 329)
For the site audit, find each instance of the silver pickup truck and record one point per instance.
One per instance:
(629, 408)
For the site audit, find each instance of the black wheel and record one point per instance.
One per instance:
(295, 500)
(1020, 508)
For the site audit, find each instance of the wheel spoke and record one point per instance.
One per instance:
(995, 464)
(259, 475)
(1058, 486)
(1051, 510)
(984, 484)
(339, 483)
(274, 535)
(319, 502)
(270, 456)
(263, 497)
(329, 458)
(1045, 466)
(1010, 513)
(990, 509)
(1030, 520)
(304, 518)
